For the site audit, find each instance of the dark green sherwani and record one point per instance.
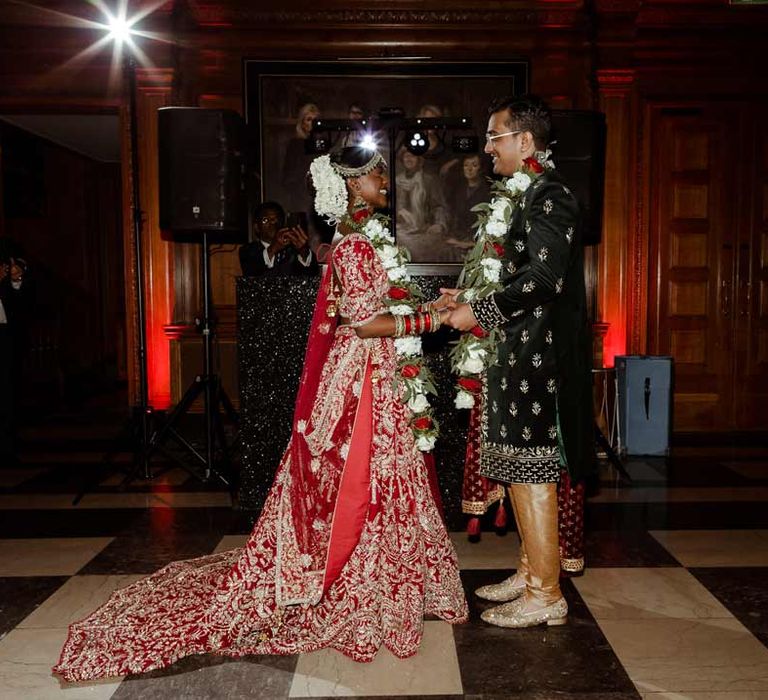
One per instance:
(542, 380)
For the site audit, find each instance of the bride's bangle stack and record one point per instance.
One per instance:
(418, 323)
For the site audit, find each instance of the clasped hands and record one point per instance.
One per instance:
(454, 313)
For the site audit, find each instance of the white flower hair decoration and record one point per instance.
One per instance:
(330, 190)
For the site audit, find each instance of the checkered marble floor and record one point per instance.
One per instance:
(673, 603)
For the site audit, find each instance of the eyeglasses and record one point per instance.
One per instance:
(268, 220)
(492, 137)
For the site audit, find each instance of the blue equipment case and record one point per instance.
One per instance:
(644, 388)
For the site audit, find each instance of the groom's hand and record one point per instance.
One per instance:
(462, 318)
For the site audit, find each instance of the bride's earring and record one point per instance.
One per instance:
(357, 201)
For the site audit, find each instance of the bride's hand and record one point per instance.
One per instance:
(447, 299)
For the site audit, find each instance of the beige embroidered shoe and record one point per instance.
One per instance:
(522, 614)
(509, 589)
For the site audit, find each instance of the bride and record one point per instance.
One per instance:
(350, 551)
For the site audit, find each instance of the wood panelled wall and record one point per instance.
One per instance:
(71, 237)
(629, 58)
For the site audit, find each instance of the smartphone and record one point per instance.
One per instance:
(296, 218)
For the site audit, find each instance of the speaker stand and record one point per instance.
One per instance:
(215, 402)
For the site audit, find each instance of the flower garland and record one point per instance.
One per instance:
(413, 380)
(481, 275)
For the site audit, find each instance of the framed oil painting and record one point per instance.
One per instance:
(435, 179)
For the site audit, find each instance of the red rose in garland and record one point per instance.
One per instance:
(398, 293)
(478, 332)
(360, 215)
(534, 165)
(470, 385)
(410, 371)
(423, 423)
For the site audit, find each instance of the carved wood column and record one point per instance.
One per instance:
(153, 91)
(615, 275)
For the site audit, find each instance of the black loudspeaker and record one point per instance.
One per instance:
(202, 167)
(579, 156)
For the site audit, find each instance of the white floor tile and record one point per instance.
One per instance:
(433, 671)
(78, 597)
(63, 556)
(681, 656)
(636, 594)
(26, 659)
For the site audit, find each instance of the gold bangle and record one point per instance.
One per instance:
(436, 322)
(399, 326)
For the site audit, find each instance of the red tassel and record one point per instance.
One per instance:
(500, 521)
(473, 527)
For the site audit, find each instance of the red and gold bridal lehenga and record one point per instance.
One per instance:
(349, 552)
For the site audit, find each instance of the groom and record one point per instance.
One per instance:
(536, 408)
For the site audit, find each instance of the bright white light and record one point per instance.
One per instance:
(120, 29)
(368, 143)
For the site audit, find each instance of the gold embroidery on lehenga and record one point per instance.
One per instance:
(248, 601)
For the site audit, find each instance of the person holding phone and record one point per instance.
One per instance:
(277, 249)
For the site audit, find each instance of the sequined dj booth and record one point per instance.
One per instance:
(274, 314)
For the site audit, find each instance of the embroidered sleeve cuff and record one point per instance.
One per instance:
(487, 313)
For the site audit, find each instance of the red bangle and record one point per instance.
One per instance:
(427, 322)
(407, 320)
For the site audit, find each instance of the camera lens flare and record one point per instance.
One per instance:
(119, 29)
(368, 142)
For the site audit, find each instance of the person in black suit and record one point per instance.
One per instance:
(276, 249)
(13, 305)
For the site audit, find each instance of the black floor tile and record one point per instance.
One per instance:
(574, 658)
(75, 522)
(556, 695)
(20, 595)
(217, 520)
(743, 591)
(629, 548)
(676, 516)
(132, 554)
(211, 676)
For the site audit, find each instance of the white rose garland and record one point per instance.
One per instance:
(414, 380)
(481, 276)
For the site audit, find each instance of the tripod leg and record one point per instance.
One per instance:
(611, 453)
(228, 407)
(218, 433)
(181, 408)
